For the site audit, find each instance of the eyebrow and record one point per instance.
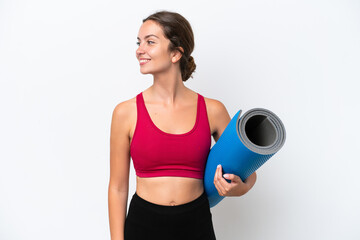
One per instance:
(150, 35)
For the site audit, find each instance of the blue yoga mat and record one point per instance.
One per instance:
(245, 145)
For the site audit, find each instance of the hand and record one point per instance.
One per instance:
(237, 187)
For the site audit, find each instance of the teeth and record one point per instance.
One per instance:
(144, 60)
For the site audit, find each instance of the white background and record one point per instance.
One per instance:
(64, 65)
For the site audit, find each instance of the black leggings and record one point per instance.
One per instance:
(189, 221)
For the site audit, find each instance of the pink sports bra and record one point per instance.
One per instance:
(156, 153)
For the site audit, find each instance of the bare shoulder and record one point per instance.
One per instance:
(124, 114)
(215, 108)
(218, 116)
(125, 108)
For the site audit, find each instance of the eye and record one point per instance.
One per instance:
(150, 42)
(138, 43)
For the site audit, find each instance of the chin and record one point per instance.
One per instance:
(145, 72)
(148, 71)
(152, 70)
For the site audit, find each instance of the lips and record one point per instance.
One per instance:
(144, 61)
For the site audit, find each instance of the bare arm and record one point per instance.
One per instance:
(221, 118)
(119, 172)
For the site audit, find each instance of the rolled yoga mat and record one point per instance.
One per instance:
(246, 143)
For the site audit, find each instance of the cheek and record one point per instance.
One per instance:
(158, 53)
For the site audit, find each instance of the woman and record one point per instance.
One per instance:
(166, 130)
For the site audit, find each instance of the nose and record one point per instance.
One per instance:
(140, 50)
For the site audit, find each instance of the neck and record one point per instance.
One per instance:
(168, 87)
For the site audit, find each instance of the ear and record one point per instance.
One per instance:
(177, 54)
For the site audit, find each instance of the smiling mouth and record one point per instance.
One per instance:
(144, 61)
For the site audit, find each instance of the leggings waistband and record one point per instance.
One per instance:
(164, 209)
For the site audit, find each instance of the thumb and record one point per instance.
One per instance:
(232, 177)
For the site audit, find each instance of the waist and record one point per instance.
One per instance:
(197, 204)
(169, 191)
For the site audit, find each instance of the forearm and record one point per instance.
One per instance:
(117, 201)
(250, 181)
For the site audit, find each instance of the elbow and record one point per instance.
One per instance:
(118, 188)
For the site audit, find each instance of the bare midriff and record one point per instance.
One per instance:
(169, 191)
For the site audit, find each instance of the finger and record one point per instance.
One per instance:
(221, 179)
(218, 189)
(233, 178)
(216, 174)
(223, 184)
(216, 182)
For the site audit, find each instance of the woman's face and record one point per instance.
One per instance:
(152, 53)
